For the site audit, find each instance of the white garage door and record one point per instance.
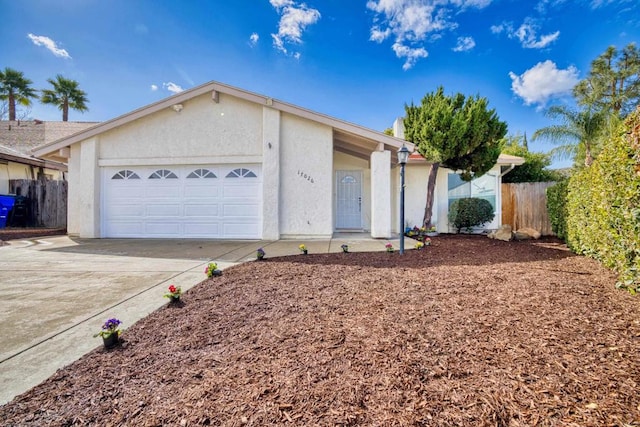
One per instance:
(176, 201)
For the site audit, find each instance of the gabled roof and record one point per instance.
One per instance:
(348, 137)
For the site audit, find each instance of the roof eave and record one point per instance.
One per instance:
(214, 88)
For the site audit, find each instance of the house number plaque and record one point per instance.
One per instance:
(303, 175)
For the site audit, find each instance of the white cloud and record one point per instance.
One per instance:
(172, 87)
(464, 44)
(502, 27)
(154, 88)
(543, 82)
(411, 23)
(527, 34)
(412, 54)
(253, 39)
(294, 19)
(49, 44)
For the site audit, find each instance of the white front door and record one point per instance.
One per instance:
(349, 199)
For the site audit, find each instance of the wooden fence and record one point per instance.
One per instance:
(525, 205)
(47, 206)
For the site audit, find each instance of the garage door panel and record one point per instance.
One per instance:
(194, 203)
(197, 191)
(237, 191)
(201, 210)
(164, 210)
(126, 228)
(197, 229)
(241, 210)
(125, 210)
(164, 228)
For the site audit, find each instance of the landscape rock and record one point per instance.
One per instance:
(532, 233)
(503, 233)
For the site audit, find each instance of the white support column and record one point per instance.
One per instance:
(89, 189)
(270, 173)
(381, 194)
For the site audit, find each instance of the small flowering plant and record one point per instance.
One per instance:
(389, 247)
(174, 292)
(345, 248)
(260, 254)
(419, 245)
(427, 241)
(303, 248)
(109, 328)
(212, 270)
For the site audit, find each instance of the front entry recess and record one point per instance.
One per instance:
(349, 200)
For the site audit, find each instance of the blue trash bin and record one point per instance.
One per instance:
(6, 204)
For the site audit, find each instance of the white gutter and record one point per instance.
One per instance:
(511, 167)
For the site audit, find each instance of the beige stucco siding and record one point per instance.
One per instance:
(202, 132)
(306, 153)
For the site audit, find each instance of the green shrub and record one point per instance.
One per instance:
(557, 208)
(470, 212)
(603, 206)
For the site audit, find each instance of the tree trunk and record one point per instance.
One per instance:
(431, 185)
(65, 111)
(12, 107)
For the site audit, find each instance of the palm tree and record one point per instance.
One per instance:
(580, 132)
(14, 88)
(65, 95)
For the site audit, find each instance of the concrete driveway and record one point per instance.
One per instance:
(58, 291)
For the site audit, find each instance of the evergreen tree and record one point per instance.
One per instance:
(455, 132)
(613, 82)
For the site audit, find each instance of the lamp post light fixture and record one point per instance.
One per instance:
(403, 156)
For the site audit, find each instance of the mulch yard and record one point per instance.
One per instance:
(469, 332)
(15, 233)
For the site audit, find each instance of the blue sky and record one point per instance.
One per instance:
(358, 61)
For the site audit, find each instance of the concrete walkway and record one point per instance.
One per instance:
(58, 291)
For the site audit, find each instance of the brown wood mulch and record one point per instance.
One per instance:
(15, 233)
(469, 332)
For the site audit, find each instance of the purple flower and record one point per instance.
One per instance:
(111, 325)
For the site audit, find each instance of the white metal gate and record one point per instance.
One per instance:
(349, 199)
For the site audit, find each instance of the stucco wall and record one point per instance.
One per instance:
(416, 176)
(342, 161)
(229, 131)
(74, 213)
(12, 171)
(306, 180)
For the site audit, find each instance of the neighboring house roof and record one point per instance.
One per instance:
(24, 135)
(11, 155)
(349, 138)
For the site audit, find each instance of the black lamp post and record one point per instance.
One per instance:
(403, 156)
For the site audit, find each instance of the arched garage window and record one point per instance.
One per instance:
(125, 174)
(202, 173)
(163, 174)
(241, 173)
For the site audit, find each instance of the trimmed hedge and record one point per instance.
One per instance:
(557, 208)
(470, 212)
(604, 206)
